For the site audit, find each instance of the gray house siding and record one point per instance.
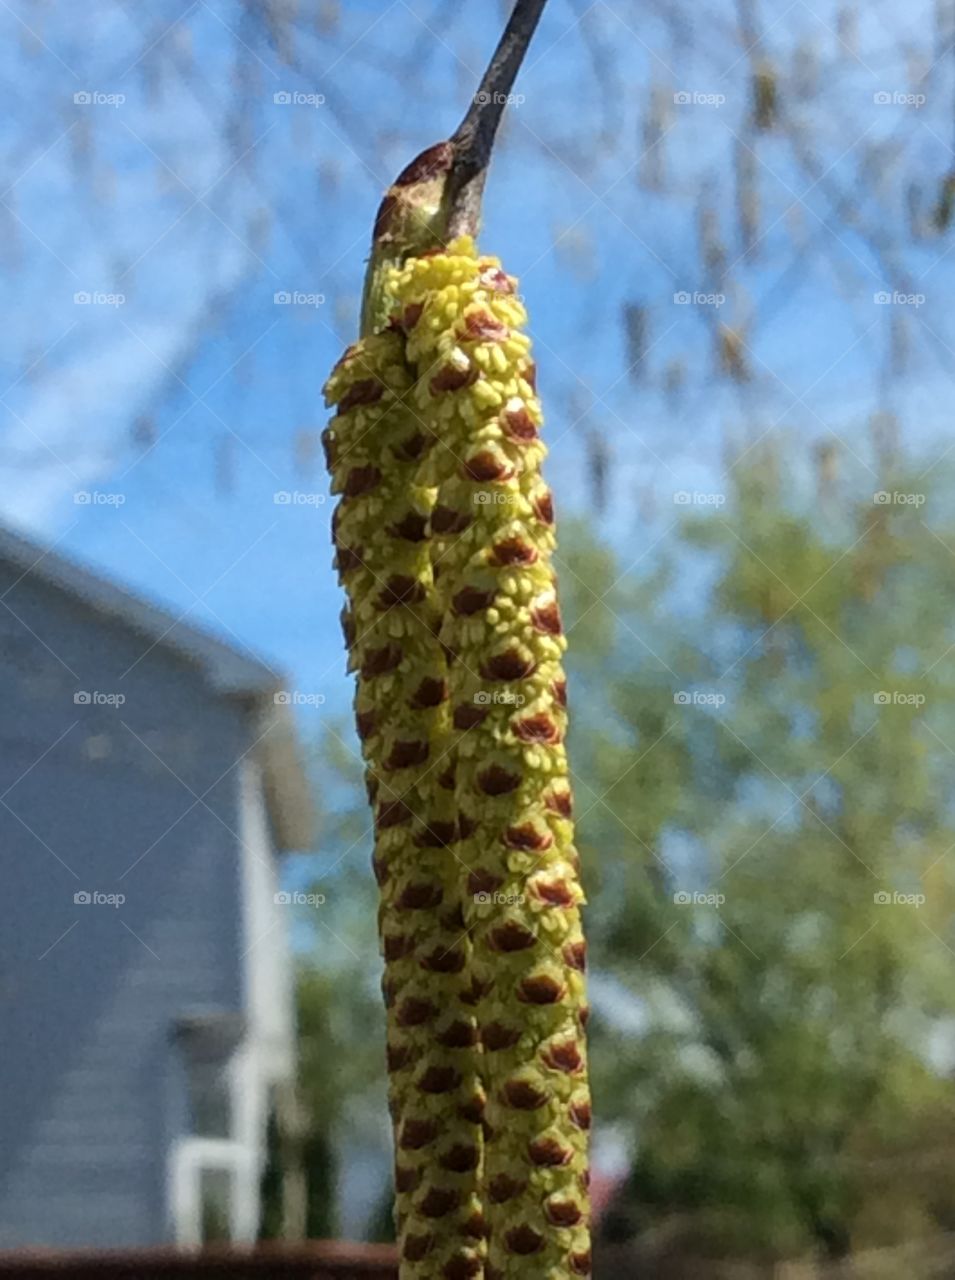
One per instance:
(141, 800)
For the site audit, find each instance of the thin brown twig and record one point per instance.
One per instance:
(473, 140)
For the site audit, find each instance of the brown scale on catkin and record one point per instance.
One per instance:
(374, 447)
(501, 626)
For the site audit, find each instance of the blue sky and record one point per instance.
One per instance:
(197, 197)
(183, 197)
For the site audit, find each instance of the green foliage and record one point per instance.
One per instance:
(338, 1004)
(787, 1093)
(788, 1027)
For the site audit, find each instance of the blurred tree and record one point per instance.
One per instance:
(340, 1020)
(777, 732)
(769, 830)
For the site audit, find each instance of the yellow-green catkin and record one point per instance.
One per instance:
(374, 446)
(493, 524)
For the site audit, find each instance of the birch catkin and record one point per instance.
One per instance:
(374, 446)
(500, 626)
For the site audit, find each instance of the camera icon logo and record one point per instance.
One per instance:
(881, 699)
(682, 498)
(282, 98)
(682, 298)
(882, 898)
(881, 498)
(282, 698)
(83, 98)
(82, 898)
(282, 898)
(82, 299)
(482, 899)
(81, 698)
(882, 99)
(282, 298)
(282, 498)
(482, 697)
(681, 99)
(681, 699)
(682, 898)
